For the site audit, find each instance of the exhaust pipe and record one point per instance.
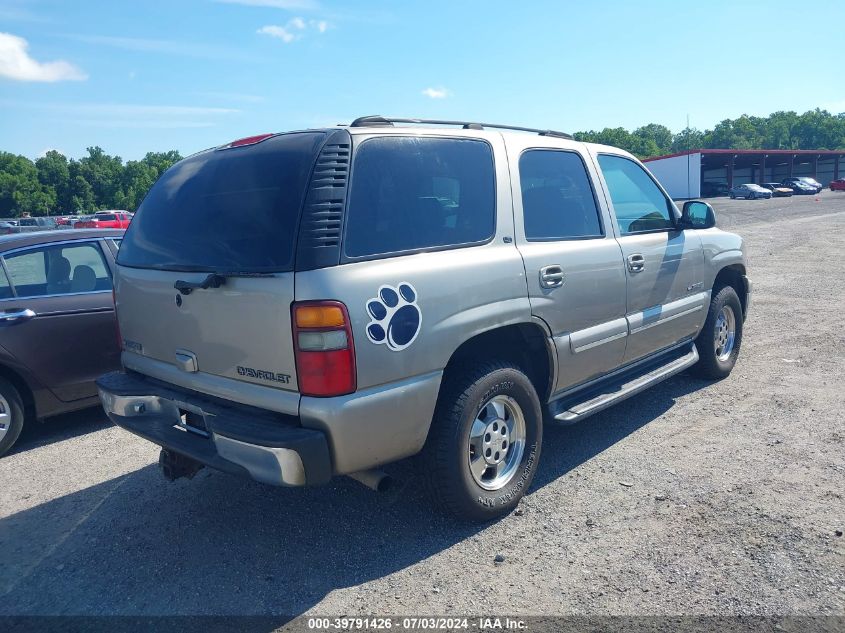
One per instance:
(173, 465)
(375, 479)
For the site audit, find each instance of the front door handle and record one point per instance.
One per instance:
(552, 276)
(15, 316)
(636, 262)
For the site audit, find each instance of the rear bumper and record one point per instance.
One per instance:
(268, 447)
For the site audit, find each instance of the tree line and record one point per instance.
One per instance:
(815, 129)
(53, 185)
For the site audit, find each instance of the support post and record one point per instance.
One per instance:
(836, 167)
(731, 171)
(815, 166)
(762, 169)
(791, 165)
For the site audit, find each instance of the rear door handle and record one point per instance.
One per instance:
(15, 316)
(552, 276)
(636, 262)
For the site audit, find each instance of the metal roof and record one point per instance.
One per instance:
(741, 152)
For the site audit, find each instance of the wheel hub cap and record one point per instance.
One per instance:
(496, 442)
(5, 417)
(725, 333)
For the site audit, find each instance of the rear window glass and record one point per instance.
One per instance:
(410, 194)
(232, 210)
(103, 217)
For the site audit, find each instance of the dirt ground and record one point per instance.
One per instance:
(691, 498)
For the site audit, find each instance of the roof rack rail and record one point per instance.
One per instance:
(383, 121)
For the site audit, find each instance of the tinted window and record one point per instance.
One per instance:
(102, 217)
(638, 203)
(557, 200)
(225, 210)
(60, 269)
(416, 193)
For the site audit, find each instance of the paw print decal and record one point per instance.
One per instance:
(395, 318)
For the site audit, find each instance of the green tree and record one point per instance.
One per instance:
(20, 190)
(660, 135)
(686, 139)
(54, 173)
(103, 173)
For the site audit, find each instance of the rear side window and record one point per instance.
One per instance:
(557, 199)
(411, 194)
(230, 210)
(58, 270)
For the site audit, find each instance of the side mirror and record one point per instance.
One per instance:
(697, 215)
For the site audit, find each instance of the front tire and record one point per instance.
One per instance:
(484, 444)
(719, 341)
(11, 415)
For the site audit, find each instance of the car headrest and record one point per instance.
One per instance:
(84, 279)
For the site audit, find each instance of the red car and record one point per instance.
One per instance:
(837, 185)
(106, 220)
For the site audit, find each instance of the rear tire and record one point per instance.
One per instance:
(484, 444)
(719, 341)
(11, 415)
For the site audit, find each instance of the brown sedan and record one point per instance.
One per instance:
(57, 326)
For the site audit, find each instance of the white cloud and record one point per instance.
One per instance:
(436, 93)
(278, 31)
(293, 29)
(15, 63)
(304, 5)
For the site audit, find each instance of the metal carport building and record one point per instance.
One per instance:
(683, 173)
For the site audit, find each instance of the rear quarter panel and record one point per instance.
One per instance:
(460, 292)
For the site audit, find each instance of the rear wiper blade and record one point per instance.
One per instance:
(213, 280)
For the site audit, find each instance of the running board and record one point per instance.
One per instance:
(572, 409)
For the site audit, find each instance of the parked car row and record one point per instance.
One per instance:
(112, 219)
(802, 185)
(105, 220)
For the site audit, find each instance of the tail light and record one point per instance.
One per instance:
(325, 351)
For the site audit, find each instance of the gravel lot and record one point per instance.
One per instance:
(692, 498)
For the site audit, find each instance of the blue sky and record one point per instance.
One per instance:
(154, 75)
